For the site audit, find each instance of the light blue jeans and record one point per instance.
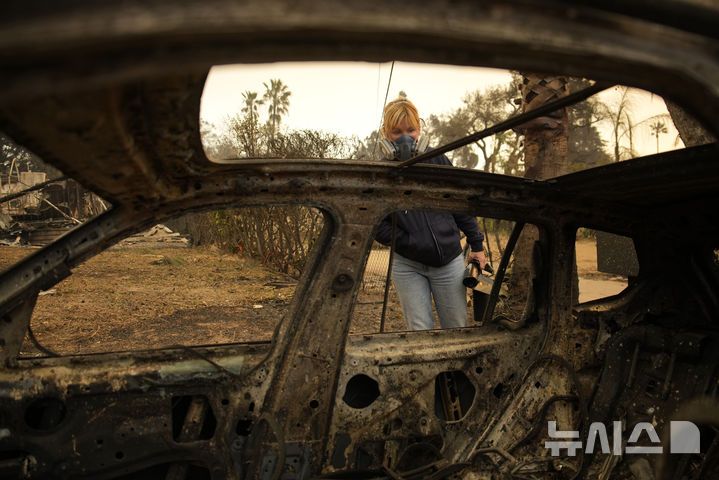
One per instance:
(416, 285)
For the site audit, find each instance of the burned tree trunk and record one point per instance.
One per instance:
(545, 138)
(545, 156)
(690, 131)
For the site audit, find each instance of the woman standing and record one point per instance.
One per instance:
(428, 262)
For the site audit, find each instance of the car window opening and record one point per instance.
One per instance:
(605, 264)
(485, 128)
(219, 277)
(486, 294)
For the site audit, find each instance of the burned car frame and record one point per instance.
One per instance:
(110, 95)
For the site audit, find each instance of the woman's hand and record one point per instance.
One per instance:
(478, 257)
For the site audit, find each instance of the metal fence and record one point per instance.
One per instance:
(375, 273)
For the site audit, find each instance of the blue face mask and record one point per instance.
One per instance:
(406, 145)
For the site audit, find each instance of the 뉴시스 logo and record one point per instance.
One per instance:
(684, 438)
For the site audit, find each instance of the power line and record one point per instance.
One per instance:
(389, 82)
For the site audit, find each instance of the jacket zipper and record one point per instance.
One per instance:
(436, 243)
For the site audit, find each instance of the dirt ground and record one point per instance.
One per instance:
(138, 297)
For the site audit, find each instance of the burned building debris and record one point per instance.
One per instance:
(36, 210)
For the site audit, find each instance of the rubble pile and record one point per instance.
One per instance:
(159, 234)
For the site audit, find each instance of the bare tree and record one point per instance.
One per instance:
(216, 142)
(280, 236)
(619, 115)
(502, 153)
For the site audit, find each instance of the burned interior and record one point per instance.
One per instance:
(109, 94)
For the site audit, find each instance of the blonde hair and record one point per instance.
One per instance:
(398, 110)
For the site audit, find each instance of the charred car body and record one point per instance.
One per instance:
(110, 95)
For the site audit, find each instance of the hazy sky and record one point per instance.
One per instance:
(347, 97)
(344, 97)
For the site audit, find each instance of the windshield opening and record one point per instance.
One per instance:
(334, 110)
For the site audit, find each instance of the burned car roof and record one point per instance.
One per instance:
(110, 95)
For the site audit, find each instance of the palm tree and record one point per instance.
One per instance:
(277, 95)
(658, 127)
(251, 104)
(250, 109)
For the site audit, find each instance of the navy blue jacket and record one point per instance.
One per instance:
(431, 238)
